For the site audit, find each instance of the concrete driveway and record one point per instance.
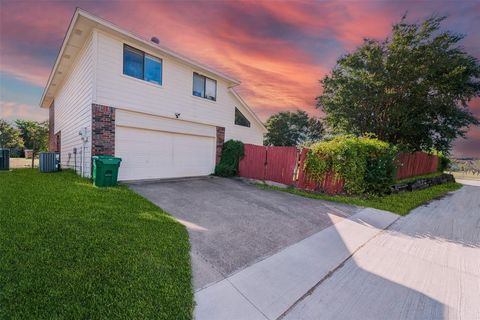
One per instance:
(233, 224)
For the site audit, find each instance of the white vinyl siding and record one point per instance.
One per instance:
(174, 96)
(73, 108)
(252, 134)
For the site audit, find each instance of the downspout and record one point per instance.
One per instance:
(84, 137)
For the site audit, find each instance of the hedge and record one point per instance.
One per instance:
(366, 164)
(232, 152)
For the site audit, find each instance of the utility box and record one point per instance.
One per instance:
(4, 159)
(49, 162)
(105, 170)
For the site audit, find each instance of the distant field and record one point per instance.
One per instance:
(465, 175)
(468, 169)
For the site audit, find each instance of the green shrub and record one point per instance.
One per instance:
(443, 160)
(366, 164)
(232, 152)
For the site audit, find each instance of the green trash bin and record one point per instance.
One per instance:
(105, 170)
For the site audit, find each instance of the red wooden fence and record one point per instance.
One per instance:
(416, 164)
(279, 163)
(269, 163)
(253, 162)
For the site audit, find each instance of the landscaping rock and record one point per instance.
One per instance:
(399, 188)
(422, 183)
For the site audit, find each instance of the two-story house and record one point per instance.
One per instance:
(111, 92)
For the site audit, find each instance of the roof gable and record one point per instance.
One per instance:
(81, 25)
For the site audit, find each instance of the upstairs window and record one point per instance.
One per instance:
(240, 119)
(141, 65)
(204, 87)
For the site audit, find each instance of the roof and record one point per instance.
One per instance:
(80, 27)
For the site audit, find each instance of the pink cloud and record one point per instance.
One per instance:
(10, 110)
(30, 36)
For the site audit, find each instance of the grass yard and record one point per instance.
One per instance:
(400, 203)
(69, 250)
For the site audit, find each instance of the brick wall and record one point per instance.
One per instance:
(220, 140)
(52, 143)
(103, 130)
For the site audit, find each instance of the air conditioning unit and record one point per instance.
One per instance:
(4, 159)
(49, 161)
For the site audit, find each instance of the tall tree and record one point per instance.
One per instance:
(292, 129)
(9, 136)
(35, 135)
(411, 89)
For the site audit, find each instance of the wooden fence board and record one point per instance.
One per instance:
(416, 164)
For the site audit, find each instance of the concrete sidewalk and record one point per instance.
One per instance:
(269, 288)
(469, 182)
(426, 266)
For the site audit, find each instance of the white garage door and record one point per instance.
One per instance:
(149, 154)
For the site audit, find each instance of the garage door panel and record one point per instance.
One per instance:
(186, 151)
(149, 154)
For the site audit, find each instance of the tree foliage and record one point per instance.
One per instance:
(34, 134)
(411, 89)
(293, 129)
(9, 136)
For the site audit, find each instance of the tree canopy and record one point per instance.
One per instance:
(411, 89)
(292, 129)
(9, 136)
(34, 134)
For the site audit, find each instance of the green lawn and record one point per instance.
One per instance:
(69, 250)
(400, 203)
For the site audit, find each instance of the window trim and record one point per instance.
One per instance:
(144, 54)
(204, 86)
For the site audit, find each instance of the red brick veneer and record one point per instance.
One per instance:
(103, 130)
(220, 141)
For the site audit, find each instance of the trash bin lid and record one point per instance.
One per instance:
(107, 159)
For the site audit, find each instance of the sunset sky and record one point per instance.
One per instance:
(279, 50)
